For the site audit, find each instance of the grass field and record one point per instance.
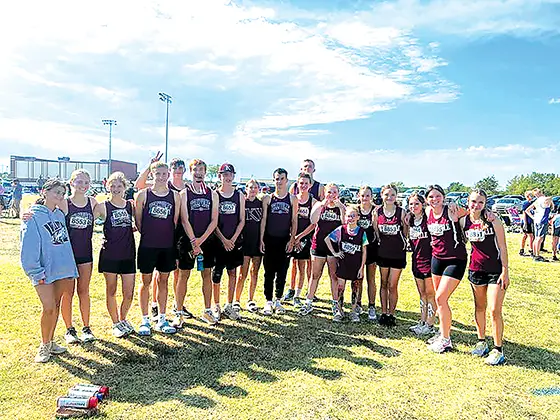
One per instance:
(288, 367)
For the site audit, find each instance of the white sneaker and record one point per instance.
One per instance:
(87, 335)
(416, 326)
(56, 349)
(119, 330)
(130, 329)
(441, 345)
(360, 310)
(278, 308)
(71, 336)
(267, 310)
(178, 320)
(208, 317)
(424, 329)
(252, 306)
(372, 316)
(434, 337)
(217, 312)
(230, 312)
(44, 353)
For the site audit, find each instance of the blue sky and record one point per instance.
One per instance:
(402, 90)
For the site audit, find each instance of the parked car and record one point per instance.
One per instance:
(402, 197)
(501, 206)
(556, 202)
(376, 196)
(345, 195)
(492, 199)
(454, 196)
(520, 197)
(354, 191)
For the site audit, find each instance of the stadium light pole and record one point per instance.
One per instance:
(110, 123)
(164, 97)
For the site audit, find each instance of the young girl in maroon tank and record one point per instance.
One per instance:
(488, 274)
(327, 216)
(419, 237)
(366, 212)
(118, 252)
(301, 256)
(252, 255)
(389, 224)
(351, 258)
(449, 260)
(80, 212)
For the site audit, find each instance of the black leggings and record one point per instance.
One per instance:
(276, 262)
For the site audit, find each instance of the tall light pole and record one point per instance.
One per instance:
(110, 123)
(164, 97)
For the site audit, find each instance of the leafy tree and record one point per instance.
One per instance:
(399, 185)
(489, 184)
(457, 187)
(212, 171)
(549, 183)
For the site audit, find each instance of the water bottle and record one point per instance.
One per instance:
(200, 262)
(85, 393)
(97, 388)
(90, 402)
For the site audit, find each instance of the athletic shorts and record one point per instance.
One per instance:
(371, 257)
(160, 259)
(83, 260)
(229, 259)
(251, 248)
(305, 252)
(116, 266)
(454, 268)
(396, 263)
(556, 231)
(481, 278)
(421, 276)
(209, 248)
(321, 251)
(541, 229)
(528, 227)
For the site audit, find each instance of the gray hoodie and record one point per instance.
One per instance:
(46, 252)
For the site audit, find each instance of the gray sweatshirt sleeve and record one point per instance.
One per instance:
(31, 250)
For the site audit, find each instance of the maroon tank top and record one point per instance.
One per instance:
(79, 222)
(279, 217)
(485, 254)
(199, 207)
(352, 247)
(365, 222)
(392, 244)
(304, 213)
(228, 214)
(253, 217)
(329, 220)
(158, 223)
(420, 242)
(118, 243)
(447, 240)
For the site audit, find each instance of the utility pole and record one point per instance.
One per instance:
(164, 97)
(110, 123)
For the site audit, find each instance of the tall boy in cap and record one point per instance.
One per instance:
(229, 255)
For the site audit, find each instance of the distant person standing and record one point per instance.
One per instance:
(527, 224)
(17, 195)
(541, 207)
(40, 182)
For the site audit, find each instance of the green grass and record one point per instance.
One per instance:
(288, 367)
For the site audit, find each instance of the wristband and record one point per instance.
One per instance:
(193, 240)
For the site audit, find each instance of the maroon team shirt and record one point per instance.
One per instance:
(485, 254)
(447, 240)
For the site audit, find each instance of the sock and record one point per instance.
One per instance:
(482, 340)
(308, 301)
(298, 293)
(145, 319)
(115, 324)
(499, 348)
(208, 310)
(154, 305)
(161, 317)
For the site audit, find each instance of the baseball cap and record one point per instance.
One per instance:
(226, 167)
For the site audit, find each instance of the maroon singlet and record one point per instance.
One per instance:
(279, 217)
(118, 243)
(485, 254)
(392, 244)
(79, 222)
(348, 267)
(329, 220)
(199, 207)
(421, 246)
(158, 224)
(228, 214)
(447, 240)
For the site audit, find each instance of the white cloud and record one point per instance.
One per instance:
(554, 101)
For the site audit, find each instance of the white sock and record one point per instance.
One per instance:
(298, 292)
(154, 304)
(145, 319)
(208, 310)
(308, 301)
(161, 317)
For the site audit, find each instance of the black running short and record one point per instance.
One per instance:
(321, 251)
(83, 260)
(229, 259)
(556, 231)
(371, 256)
(421, 276)
(160, 259)
(396, 263)
(453, 268)
(305, 252)
(481, 278)
(116, 266)
(209, 249)
(528, 227)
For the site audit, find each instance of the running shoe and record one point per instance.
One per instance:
(208, 317)
(383, 319)
(391, 321)
(165, 328)
(56, 349)
(155, 314)
(44, 353)
(425, 329)
(119, 330)
(267, 310)
(230, 312)
(237, 306)
(128, 326)
(416, 326)
(145, 329)
(360, 310)
(372, 316)
(87, 335)
(252, 306)
(305, 309)
(434, 337)
(71, 336)
(289, 295)
(481, 349)
(441, 345)
(297, 303)
(187, 314)
(278, 308)
(521, 252)
(354, 316)
(217, 312)
(338, 315)
(496, 357)
(554, 258)
(178, 320)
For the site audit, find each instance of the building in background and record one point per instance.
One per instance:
(28, 169)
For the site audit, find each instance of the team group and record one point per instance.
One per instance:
(187, 225)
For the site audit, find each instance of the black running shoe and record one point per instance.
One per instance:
(391, 321)
(382, 319)
(187, 314)
(521, 252)
(155, 314)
